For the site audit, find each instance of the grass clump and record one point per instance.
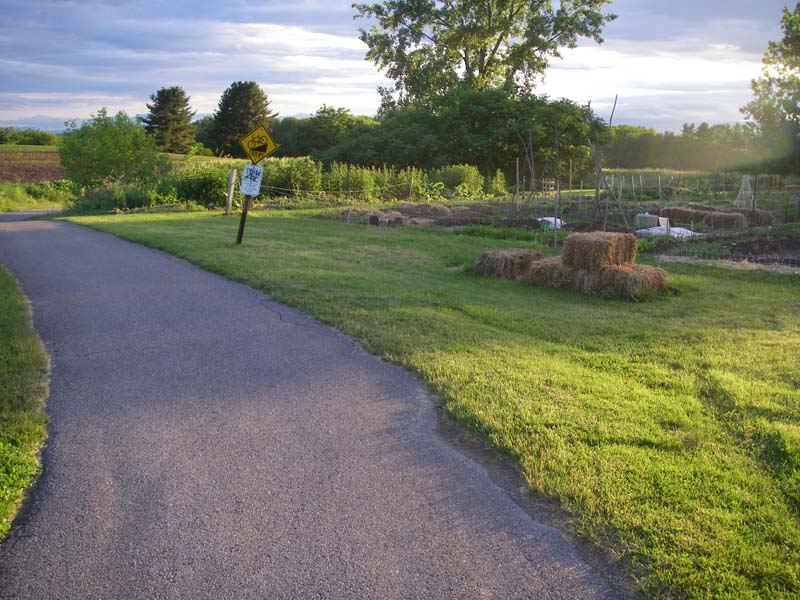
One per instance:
(23, 381)
(16, 197)
(667, 429)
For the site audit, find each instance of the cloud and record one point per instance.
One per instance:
(63, 59)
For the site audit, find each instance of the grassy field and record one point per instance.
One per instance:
(669, 430)
(23, 381)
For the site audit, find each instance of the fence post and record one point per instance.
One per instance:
(229, 198)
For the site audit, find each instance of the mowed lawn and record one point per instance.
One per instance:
(23, 387)
(669, 430)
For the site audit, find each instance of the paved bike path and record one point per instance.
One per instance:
(206, 442)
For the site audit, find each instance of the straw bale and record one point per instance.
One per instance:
(439, 209)
(757, 217)
(630, 281)
(594, 251)
(550, 272)
(729, 220)
(703, 207)
(506, 264)
(407, 208)
(684, 215)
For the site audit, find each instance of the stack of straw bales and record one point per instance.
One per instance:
(715, 218)
(725, 220)
(506, 264)
(599, 264)
(757, 217)
(684, 215)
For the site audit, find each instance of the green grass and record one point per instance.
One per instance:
(23, 382)
(669, 430)
(15, 197)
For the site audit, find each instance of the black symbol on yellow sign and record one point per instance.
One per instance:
(258, 144)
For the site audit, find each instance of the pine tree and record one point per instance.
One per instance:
(242, 107)
(170, 120)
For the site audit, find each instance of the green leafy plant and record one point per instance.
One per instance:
(108, 149)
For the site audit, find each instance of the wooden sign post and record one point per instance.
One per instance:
(258, 145)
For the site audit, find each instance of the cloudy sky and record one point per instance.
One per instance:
(670, 62)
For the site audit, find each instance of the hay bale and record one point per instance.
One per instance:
(628, 281)
(594, 251)
(757, 217)
(703, 207)
(721, 220)
(684, 215)
(439, 209)
(506, 264)
(550, 272)
(405, 207)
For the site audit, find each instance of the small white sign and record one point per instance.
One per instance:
(251, 180)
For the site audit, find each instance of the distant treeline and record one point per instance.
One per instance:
(492, 131)
(704, 147)
(488, 129)
(27, 137)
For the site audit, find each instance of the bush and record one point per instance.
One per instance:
(204, 184)
(350, 181)
(496, 185)
(117, 196)
(111, 150)
(410, 184)
(286, 176)
(462, 181)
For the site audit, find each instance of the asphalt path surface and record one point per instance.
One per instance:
(206, 442)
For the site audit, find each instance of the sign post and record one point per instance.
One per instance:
(258, 145)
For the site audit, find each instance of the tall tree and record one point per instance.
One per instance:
(430, 46)
(242, 107)
(776, 108)
(170, 120)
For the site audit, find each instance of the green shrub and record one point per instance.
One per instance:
(496, 185)
(410, 184)
(117, 196)
(461, 181)
(108, 149)
(287, 176)
(201, 183)
(350, 181)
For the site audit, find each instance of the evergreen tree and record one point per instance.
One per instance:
(170, 120)
(242, 107)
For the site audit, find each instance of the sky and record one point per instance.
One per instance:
(670, 62)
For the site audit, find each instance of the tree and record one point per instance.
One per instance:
(430, 46)
(242, 107)
(108, 149)
(204, 132)
(170, 120)
(28, 137)
(776, 108)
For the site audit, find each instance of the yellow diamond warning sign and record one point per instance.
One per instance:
(258, 145)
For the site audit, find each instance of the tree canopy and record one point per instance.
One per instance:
(170, 120)
(107, 149)
(242, 107)
(328, 127)
(430, 46)
(776, 107)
